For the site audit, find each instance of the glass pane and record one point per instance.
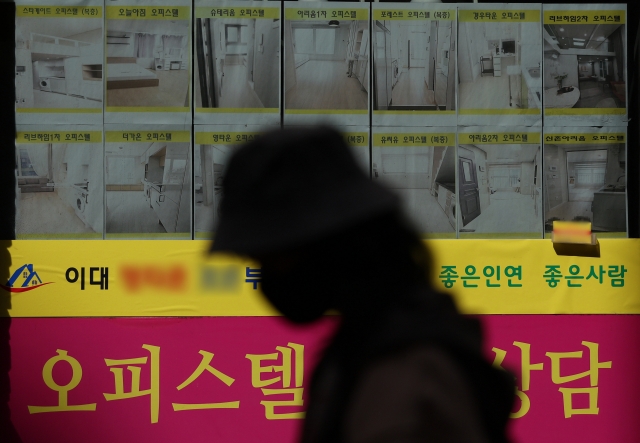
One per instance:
(325, 41)
(232, 34)
(466, 171)
(303, 40)
(25, 164)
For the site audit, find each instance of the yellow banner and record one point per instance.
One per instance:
(386, 140)
(357, 138)
(225, 138)
(236, 12)
(147, 108)
(487, 15)
(326, 14)
(149, 12)
(59, 137)
(147, 136)
(602, 138)
(585, 111)
(59, 11)
(238, 110)
(409, 14)
(533, 111)
(583, 17)
(59, 111)
(499, 137)
(177, 278)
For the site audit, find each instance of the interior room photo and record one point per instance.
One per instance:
(209, 164)
(500, 190)
(59, 190)
(237, 63)
(58, 63)
(584, 66)
(499, 65)
(413, 69)
(148, 63)
(326, 64)
(148, 188)
(424, 177)
(586, 183)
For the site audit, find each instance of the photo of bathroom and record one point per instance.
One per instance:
(147, 63)
(326, 64)
(586, 182)
(424, 178)
(59, 63)
(413, 69)
(499, 65)
(500, 190)
(59, 190)
(584, 66)
(148, 190)
(237, 63)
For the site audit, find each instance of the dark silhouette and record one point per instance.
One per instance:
(404, 365)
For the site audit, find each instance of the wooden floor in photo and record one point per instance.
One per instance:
(46, 213)
(172, 91)
(507, 212)
(129, 212)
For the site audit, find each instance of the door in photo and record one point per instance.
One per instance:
(468, 186)
(382, 62)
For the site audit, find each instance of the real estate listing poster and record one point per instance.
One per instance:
(148, 182)
(60, 182)
(585, 65)
(58, 50)
(419, 165)
(237, 62)
(326, 63)
(414, 62)
(213, 149)
(499, 64)
(148, 61)
(499, 182)
(585, 178)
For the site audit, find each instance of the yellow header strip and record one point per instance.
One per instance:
(601, 138)
(412, 14)
(429, 113)
(225, 138)
(585, 111)
(59, 11)
(326, 111)
(326, 14)
(149, 12)
(499, 137)
(584, 17)
(59, 137)
(356, 138)
(237, 12)
(147, 136)
(533, 111)
(59, 110)
(147, 109)
(390, 140)
(237, 110)
(488, 15)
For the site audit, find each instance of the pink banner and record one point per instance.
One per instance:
(242, 379)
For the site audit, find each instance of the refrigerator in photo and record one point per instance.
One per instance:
(148, 183)
(59, 184)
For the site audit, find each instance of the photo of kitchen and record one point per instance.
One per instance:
(413, 65)
(147, 63)
(237, 63)
(499, 65)
(586, 182)
(424, 178)
(500, 190)
(584, 66)
(59, 63)
(326, 65)
(148, 190)
(60, 190)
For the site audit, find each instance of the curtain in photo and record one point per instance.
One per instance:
(144, 44)
(618, 48)
(172, 41)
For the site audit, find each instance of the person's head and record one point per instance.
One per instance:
(325, 235)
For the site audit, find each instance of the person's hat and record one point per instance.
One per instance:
(293, 186)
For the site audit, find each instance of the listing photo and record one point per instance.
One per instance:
(60, 190)
(147, 63)
(237, 63)
(424, 178)
(59, 63)
(499, 187)
(586, 182)
(148, 189)
(413, 65)
(584, 66)
(326, 64)
(499, 65)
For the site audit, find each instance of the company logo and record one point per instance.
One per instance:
(24, 279)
